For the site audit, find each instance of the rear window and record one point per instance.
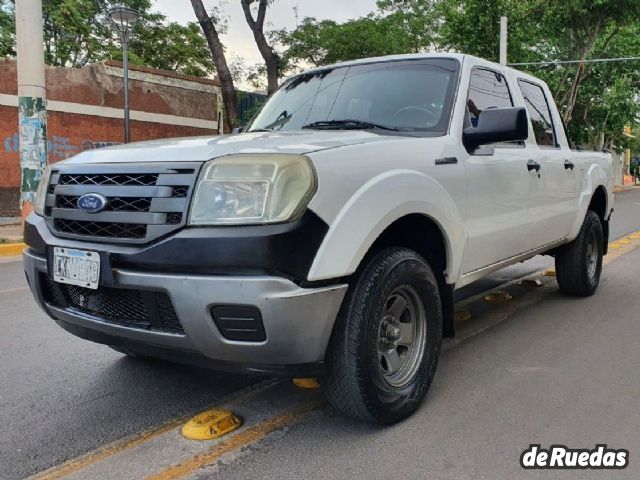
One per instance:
(539, 113)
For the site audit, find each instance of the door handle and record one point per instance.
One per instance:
(568, 165)
(533, 165)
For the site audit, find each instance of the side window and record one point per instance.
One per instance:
(539, 112)
(488, 89)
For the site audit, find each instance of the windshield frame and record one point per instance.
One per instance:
(448, 107)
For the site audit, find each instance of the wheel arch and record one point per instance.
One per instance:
(426, 237)
(598, 204)
(376, 206)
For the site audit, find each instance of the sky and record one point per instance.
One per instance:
(239, 39)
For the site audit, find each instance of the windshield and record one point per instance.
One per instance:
(403, 96)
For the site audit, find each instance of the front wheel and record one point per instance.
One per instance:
(386, 342)
(579, 264)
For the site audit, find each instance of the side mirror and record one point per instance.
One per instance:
(498, 125)
(237, 130)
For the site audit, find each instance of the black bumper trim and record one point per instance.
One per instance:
(286, 250)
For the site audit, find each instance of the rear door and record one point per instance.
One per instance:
(498, 182)
(554, 198)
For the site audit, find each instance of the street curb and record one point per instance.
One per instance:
(11, 249)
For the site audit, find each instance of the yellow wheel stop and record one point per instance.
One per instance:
(306, 382)
(498, 297)
(211, 424)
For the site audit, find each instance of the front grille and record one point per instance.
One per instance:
(116, 204)
(101, 229)
(127, 307)
(144, 201)
(180, 192)
(139, 179)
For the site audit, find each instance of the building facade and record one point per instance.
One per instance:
(84, 111)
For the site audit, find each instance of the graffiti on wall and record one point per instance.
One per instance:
(59, 148)
(33, 144)
(92, 145)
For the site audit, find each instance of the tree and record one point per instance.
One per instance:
(271, 58)
(416, 19)
(324, 42)
(607, 100)
(229, 98)
(579, 28)
(78, 32)
(174, 47)
(7, 29)
(473, 27)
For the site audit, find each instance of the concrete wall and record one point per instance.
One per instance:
(84, 112)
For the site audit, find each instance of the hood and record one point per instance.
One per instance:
(206, 148)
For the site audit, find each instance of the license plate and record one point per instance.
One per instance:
(76, 267)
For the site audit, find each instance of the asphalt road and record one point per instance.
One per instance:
(62, 396)
(562, 371)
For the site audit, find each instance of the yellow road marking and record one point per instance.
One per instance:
(95, 456)
(88, 459)
(242, 439)
(11, 290)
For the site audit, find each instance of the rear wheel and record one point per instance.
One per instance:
(385, 347)
(579, 264)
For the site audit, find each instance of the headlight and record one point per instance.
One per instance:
(41, 193)
(253, 189)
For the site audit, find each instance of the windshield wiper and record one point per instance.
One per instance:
(347, 125)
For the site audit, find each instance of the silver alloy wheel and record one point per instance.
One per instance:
(402, 336)
(592, 255)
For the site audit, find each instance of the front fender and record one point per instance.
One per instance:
(376, 205)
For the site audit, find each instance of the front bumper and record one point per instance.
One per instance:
(297, 321)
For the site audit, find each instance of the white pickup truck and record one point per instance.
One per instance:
(328, 238)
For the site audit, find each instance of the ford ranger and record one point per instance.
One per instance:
(328, 237)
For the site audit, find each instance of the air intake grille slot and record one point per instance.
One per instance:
(127, 307)
(141, 179)
(101, 229)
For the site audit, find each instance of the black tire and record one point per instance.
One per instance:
(355, 379)
(579, 264)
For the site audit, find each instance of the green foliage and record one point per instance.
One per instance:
(78, 32)
(324, 42)
(7, 29)
(597, 100)
(175, 47)
(473, 27)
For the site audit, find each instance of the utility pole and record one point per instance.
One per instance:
(32, 100)
(504, 32)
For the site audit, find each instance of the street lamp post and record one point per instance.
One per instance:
(124, 18)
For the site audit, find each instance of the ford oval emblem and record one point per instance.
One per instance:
(92, 203)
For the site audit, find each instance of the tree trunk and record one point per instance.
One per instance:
(271, 58)
(219, 60)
